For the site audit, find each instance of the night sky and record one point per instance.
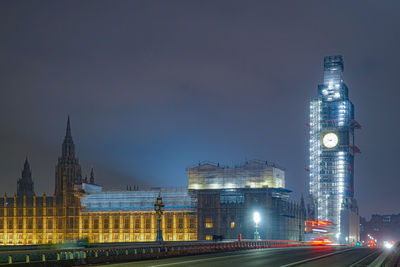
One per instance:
(154, 87)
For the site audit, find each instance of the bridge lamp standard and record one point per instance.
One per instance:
(159, 209)
(256, 219)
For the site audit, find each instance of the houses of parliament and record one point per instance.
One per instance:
(79, 209)
(219, 201)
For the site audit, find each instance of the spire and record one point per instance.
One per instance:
(68, 131)
(26, 164)
(68, 147)
(68, 135)
(25, 183)
(26, 172)
(92, 176)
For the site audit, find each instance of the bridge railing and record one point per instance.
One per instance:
(83, 256)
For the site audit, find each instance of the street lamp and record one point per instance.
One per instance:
(159, 208)
(256, 219)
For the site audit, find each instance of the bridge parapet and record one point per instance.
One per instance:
(131, 252)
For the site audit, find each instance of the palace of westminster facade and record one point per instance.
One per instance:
(80, 209)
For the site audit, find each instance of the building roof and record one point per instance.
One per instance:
(143, 200)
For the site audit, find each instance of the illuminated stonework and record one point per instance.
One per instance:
(41, 220)
(78, 210)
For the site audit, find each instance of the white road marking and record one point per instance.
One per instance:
(354, 264)
(213, 258)
(315, 258)
(191, 261)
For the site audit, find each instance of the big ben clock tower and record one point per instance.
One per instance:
(332, 153)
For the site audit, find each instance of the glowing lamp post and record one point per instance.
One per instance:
(256, 219)
(159, 208)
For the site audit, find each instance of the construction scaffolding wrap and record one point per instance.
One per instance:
(143, 200)
(252, 174)
(332, 147)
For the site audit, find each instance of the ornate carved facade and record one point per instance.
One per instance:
(27, 219)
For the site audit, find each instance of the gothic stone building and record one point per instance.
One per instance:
(218, 201)
(79, 209)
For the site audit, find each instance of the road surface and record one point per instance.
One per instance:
(325, 256)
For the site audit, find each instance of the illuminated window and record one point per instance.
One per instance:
(147, 224)
(96, 224)
(86, 224)
(232, 225)
(137, 223)
(209, 223)
(70, 224)
(169, 222)
(40, 224)
(126, 223)
(180, 223)
(60, 223)
(208, 237)
(192, 223)
(39, 211)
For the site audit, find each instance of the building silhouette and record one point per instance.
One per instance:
(25, 183)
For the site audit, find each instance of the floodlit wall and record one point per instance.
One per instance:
(128, 216)
(253, 174)
(39, 220)
(124, 216)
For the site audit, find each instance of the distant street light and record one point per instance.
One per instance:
(159, 208)
(256, 219)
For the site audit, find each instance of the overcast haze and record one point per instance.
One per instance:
(154, 87)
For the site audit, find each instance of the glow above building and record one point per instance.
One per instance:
(252, 174)
(332, 146)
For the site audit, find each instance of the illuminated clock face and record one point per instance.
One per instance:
(330, 140)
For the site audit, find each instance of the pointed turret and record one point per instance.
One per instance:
(25, 183)
(26, 172)
(92, 176)
(68, 131)
(68, 147)
(68, 170)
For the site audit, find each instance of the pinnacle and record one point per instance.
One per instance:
(26, 164)
(68, 131)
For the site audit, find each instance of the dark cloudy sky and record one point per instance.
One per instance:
(154, 87)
